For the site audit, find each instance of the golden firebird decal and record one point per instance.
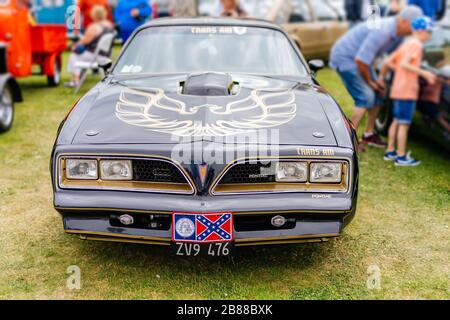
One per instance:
(154, 110)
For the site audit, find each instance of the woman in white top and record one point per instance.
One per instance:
(84, 49)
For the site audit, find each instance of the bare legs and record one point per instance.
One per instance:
(76, 78)
(373, 113)
(402, 139)
(358, 115)
(398, 135)
(392, 136)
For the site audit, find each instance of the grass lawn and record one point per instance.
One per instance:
(402, 227)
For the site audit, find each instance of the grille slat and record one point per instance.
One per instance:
(156, 171)
(249, 173)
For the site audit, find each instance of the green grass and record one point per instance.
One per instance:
(402, 226)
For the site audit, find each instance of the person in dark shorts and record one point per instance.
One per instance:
(406, 62)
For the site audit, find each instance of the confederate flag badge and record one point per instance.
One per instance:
(202, 228)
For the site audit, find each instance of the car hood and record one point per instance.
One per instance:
(152, 110)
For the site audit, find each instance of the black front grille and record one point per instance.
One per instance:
(257, 172)
(157, 171)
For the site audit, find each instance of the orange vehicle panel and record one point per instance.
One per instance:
(48, 38)
(15, 32)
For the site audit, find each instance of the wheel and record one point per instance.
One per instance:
(384, 118)
(6, 109)
(55, 79)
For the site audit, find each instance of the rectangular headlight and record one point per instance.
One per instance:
(116, 170)
(326, 172)
(291, 172)
(81, 169)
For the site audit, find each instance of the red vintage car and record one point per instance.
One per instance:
(22, 45)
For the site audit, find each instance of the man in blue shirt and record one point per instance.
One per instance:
(130, 14)
(430, 8)
(353, 57)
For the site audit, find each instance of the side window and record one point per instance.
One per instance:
(300, 11)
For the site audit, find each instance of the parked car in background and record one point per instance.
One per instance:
(9, 93)
(24, 44)
(315, 25)
(31, 44)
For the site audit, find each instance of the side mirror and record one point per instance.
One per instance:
(316, 65)
(106, 65)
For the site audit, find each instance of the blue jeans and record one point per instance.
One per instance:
(363, 95)
(404, 111)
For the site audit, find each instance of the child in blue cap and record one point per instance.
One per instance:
(406, 62)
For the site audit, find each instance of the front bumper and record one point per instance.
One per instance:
(317, 221)
(313, 217)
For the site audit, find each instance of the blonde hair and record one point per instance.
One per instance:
(98, 13)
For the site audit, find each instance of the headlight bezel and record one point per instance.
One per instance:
(293, 179)
(103, 175)
(329, 181)
(80, 177)
(344, 186)
(187, 187)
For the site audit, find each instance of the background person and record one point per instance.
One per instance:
(84, 49)
(406, 62)
(353, 57)
(131, 14)
(231, 8)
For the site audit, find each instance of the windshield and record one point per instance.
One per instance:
(190, 49)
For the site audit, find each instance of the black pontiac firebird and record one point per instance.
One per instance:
(207, 134)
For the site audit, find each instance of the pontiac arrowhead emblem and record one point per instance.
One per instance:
(203, 172)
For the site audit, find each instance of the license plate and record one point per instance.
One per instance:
(206, 234)
(202, 227)
(188, 249)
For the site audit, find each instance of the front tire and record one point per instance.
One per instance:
(6, 109)
(384, 118)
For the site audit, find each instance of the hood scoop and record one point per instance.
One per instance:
(209, 84)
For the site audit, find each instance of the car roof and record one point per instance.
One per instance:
(208, 21)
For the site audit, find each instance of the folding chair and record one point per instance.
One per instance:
(104, 45)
